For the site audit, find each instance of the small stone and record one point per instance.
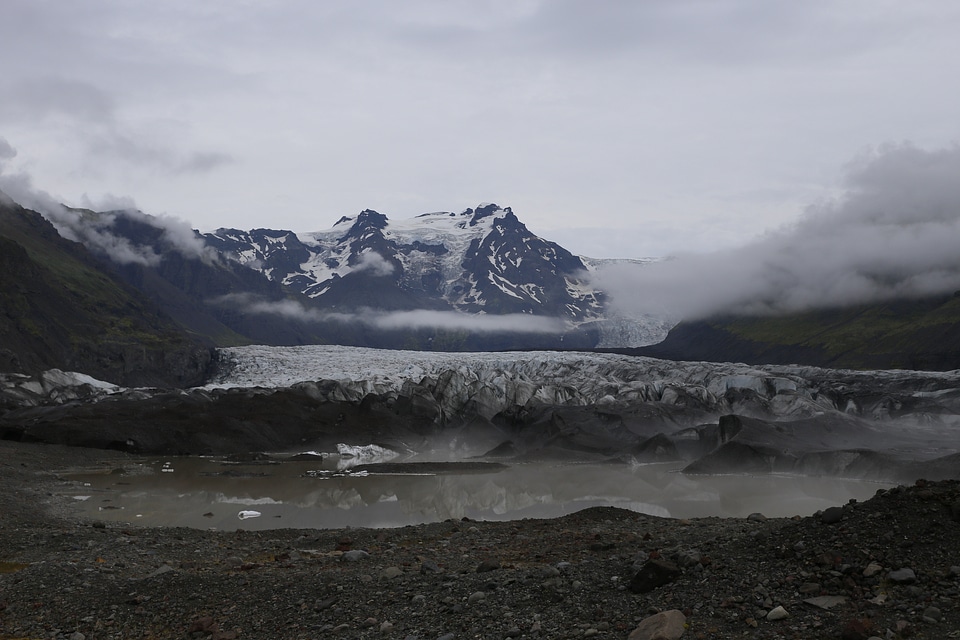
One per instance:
(76, 635)
(871, 570)
(386, 626)
(666, 625)
(514, 632)
(369, 622)
(933, 613)
(857, 629)
(488, 564)
(354, 555)
(826, 602)
(159, 572)
(589, 633)
(476, 596)
(809, 587)
(903, 576)
(777, 613)
(391, 572)
(429, 566)
(756, 517)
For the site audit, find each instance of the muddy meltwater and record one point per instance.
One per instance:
(211, 493)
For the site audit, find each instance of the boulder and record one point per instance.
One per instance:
(666, 625)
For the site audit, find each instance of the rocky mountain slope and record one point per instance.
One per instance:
(922, 334)
(475, 280)
(60, 307)
(482, 260)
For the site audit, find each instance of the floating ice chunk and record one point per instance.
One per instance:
(249, 502)
(324, 474)
(366, 452)
(81, 498)
(243, 515)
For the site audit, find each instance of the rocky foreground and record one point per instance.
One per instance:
(888, 568)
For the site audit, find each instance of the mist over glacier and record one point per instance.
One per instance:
(892, 233)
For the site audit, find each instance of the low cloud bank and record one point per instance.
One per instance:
(894, 233)
(399, 320)
(96, 230)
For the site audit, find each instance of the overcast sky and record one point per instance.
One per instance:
(617, 128)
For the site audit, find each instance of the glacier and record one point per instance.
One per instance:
(518, 406)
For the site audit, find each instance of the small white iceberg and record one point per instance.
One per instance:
(249, 502)
(243, 515)
(366, 452)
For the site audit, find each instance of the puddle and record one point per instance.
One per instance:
(208, 493)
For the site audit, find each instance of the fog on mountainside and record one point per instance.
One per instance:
(892, 234)
(94, 229)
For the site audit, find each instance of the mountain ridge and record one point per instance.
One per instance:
(481, 260)
(61, 308)
(917, 334)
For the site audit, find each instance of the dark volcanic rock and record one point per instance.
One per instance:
(653, 574)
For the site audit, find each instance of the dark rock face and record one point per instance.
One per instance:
(511, 270)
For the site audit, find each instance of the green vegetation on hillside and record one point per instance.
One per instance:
(902, 334)
(60, 308)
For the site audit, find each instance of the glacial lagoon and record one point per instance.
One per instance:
(212, 493)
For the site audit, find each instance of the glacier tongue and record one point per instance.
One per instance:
(487, 383)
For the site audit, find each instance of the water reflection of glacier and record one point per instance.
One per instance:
(204, 493)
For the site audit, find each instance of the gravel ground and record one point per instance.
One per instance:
(888, 567)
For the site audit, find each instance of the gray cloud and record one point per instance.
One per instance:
(115, 144)
(38, 98)
(18, 186)
(893, 233)
(621, 115)
(394, 320)
(452, 320)
(94, 230)
(373, 262)
(6, 151)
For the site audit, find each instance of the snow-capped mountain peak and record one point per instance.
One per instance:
(482, 260)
